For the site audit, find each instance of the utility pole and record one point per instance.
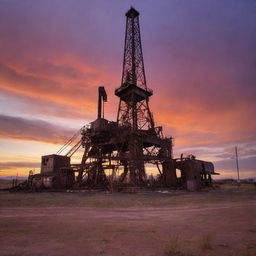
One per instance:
(237, 166)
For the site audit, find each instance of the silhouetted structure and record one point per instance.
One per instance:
(122, 149)
(133, 140)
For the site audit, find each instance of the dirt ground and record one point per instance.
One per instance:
(221, 222)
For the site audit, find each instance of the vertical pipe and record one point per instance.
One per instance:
(99, 103)
(103, 109)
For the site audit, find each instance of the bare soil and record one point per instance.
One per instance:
(220, 222)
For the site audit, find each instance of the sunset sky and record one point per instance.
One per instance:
(200, 61)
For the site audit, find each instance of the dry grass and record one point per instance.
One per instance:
(177, 247)
(206, 242)
(55, 224)
(173, 247)
(5, 184)
(145, 199)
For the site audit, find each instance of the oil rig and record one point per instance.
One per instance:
(117, 153)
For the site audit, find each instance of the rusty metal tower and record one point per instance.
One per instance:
(134, 95)
(115, 154)
(127, 145)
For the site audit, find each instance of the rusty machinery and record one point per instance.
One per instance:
(116, 153)
(133, 140)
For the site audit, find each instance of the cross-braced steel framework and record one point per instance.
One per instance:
(132, 111)
(133, 140)
(133, 64)
(135, 115)
(116, 153)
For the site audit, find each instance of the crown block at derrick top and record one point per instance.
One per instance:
(132, 13)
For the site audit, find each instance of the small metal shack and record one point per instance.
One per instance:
(55, 173)
(195, 173)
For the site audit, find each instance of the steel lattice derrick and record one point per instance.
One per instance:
(143, 115)
(134, 95)
(133, 64)
(131, 142)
